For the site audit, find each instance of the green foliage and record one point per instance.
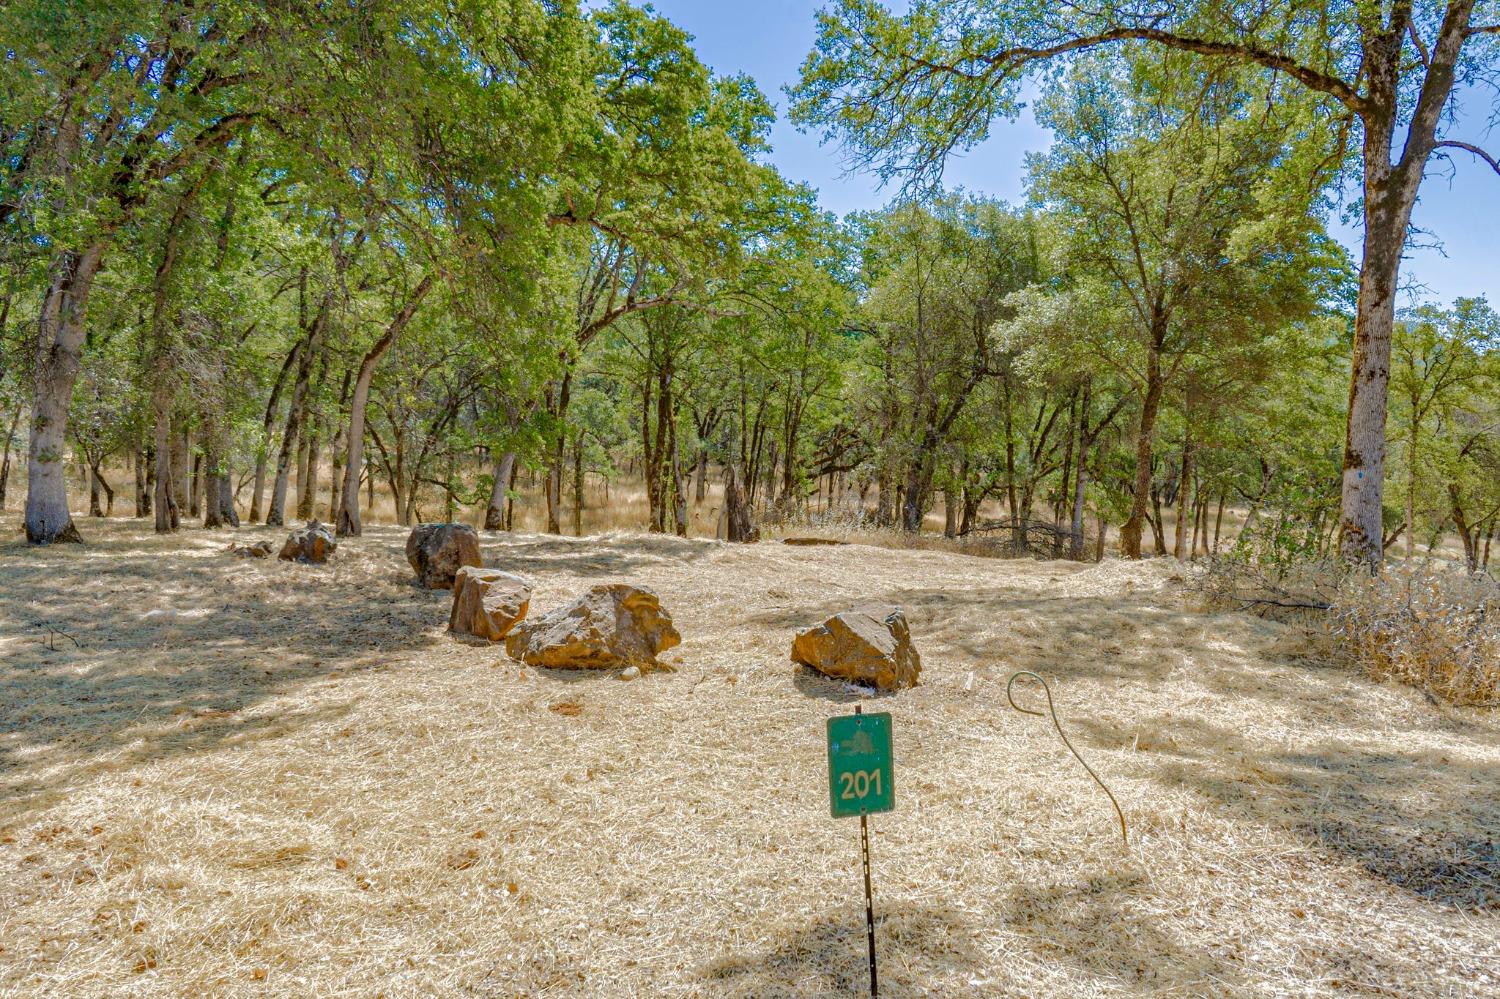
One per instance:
(551, 231)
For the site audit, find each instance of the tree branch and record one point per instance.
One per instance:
(1309, 77)
(1468, 148)
(217, 134)
(1416, 39)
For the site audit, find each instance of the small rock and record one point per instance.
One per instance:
(312, 542)
(871, 645)
(613, 624)
(487, 603)
(437, 551)
(630, 673)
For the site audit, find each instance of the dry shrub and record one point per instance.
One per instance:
(1290, 592)
(1432, 626)
(855, 525)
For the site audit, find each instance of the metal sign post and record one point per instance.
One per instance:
(861, 781)
(864, 840)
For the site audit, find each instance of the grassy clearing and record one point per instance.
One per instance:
(225, 777)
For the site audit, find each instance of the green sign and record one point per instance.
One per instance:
(860, 778)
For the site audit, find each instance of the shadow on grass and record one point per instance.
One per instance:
(605, 555)
(915, 945)
(1122, 946)
(1425, 824)
(133, 648)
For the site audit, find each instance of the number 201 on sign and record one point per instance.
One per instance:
(859, 783)
(860, 780)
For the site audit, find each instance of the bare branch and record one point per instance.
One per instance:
(1469, 148)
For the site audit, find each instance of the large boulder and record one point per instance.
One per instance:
(612, 624)
(871, 645)
(313, 542)
(437, 551)
(487, 603)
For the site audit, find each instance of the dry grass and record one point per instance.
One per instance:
(260, 778)
(1434, 626)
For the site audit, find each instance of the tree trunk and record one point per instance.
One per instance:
(336, 482)
(1411, 482)
(578, 486)
(227, 512)
(972, 497)
(262, 454)
(738, 524)
(1461, 524)
(554, 470)
(1389, 196)
(311, 456)
(211, 503)
(510, 501)
(10, 437)
(336, 478)
(1200, 524)
(148, 457)
(304, 498)
(178, 449)
(413, 514)
(1080, 482)
(168, 514)
(59, 343)
(195, 492)
(1218, 522)
(1130, 533)
(95, 510)
(918, 488)
(654, 447)
(218, 494)
(291, 437)
(494, 513)
(679, 488)
(1158, 526)
(700, 476)
(138, 473)
(1064, 495)
(354, 444)
(1181, 541)
(307, 494)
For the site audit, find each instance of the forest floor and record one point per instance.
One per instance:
(234, 777)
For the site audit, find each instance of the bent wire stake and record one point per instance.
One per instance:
(1124, 833)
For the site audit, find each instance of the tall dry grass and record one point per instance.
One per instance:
(1430, 624)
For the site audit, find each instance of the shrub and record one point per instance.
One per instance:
(1432, 626)
(1285, 590)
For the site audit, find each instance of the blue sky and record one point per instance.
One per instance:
(769, 39)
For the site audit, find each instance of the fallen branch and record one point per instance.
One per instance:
(1250, 601)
